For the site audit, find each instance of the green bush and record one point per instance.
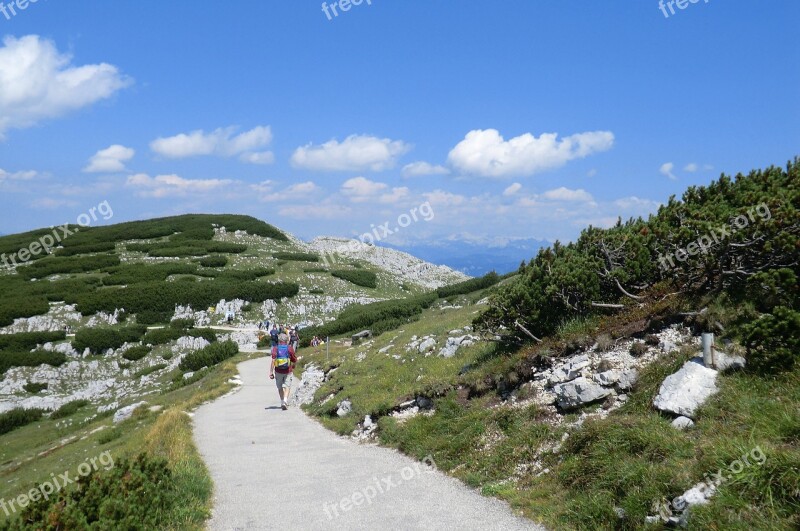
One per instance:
(206, 333)
(161, 336)
(149, 317)
(10, 359)
(136, 353)
(70, 408)
(209, 356)
(16, 418)
(384, 315)
(138, 273)
(34, 387)
(468, 286)
(173, 252)
(15, 307)
(132, 494)
(296, 257)
(53, 265)
(29, 340)
(773, 342)
(367, 279)
(214, 261)
(162, 297)
(86, 248)
(100, 339)
(182, 324)
(316, 291)
(245, 274)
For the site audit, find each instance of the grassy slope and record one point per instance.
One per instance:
(633, 459)
(31, 454)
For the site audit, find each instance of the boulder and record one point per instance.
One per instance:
(344, 408)
(682, 423)
(607, 378)
(579, 392)
(126, 412)
(361, 335)
(628, 379)
(424, 402)
(427, 345)
(726, 362)
(686, 390)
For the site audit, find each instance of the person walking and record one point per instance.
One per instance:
(281, 368)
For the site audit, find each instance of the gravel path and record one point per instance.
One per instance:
(276, 469)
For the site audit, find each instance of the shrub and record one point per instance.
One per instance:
(15, 307)
(71, 250)
(161, 336)
(172, 252)
(150, 370)
(214, 261)
(367, 279)
(98, 340)
(638, 349)
(34, 387)
(70, 408)
(53, 265)
(604, 343)
(16, 418)
(136, 353)
(315, 270)
(468, 286)
(133, 494)
(316, 291)
(29, 340)
(137, 273)
(209, 356)
(206, 333)
(109, 435)
(30, 359)
(297, 257)
(245, 274)
(149, 317)
(182, 324)
(773, 342)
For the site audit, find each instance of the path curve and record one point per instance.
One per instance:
(276, 469)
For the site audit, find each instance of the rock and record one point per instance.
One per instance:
(697, 495)
(424, 402)
(312, 379)
(407, 404)
(126, 412)
(686, 390)
(726, 362)
(368, 422)
(607, 378)
(579, 392)
(361, 335)
(426, 345)
(628, 379)
(682, 423)
(344, 408)
(191, 343)
(188, 375)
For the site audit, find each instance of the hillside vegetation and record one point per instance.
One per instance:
(724, 259)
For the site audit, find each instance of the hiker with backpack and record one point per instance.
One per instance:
(273, 336)
(280, 370)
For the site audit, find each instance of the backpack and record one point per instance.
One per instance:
(282, 358)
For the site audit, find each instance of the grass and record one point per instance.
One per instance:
(632, 460)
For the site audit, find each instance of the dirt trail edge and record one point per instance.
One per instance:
(276, 469)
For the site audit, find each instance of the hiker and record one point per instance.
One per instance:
(280, 370)
(273, 336)
(294, 339)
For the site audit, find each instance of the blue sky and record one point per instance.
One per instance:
(511, 119)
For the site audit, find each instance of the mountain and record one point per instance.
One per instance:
(475, 258)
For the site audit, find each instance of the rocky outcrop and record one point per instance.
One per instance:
(579, 392)
(686, 390)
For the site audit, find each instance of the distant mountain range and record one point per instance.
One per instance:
(473, 257)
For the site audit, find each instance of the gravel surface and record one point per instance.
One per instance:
(276, 469)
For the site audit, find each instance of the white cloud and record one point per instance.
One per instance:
(173, 185)
(263, 187)
(221, 142)
(38, 82)
(49, 203)
(486, 153)
(592, 172)
(307, 187)
(397, 194)
(666, 170)
(18, 176)
(355, 153)
(441, 197)
(422, 168)
(360, 189)
(511, 190)
(258, 157)
(565, 194)
(110, 160)
(691, 167)
(637, 204)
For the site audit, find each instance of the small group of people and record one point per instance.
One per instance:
(293, 336)
(315, 341)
